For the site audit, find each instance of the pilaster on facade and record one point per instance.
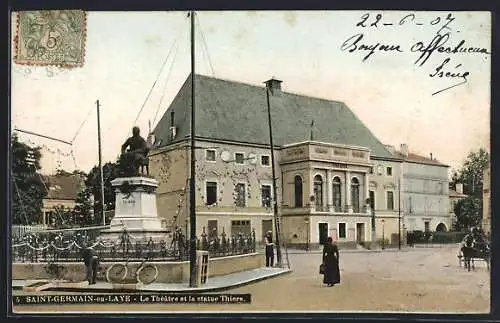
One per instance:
(329, 191)
(367, 188)
(309, 190)
(348, 204)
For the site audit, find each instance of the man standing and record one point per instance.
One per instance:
(91, 262)
(269, 249)
(138, 149)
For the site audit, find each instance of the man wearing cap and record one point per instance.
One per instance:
(269, 249)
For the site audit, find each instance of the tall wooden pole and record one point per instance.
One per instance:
(275, 197)
(192, 190)
(100, 162)
(399, 213)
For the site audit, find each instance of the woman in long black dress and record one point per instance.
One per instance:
(331, 274)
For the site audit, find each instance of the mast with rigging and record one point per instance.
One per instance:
(192, 190)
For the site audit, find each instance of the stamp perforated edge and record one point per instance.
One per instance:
(42, 64)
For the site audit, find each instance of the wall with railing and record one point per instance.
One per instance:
(49, 247)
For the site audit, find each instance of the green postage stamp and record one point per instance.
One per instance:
(52, 37)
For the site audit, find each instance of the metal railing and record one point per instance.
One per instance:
(32, 248)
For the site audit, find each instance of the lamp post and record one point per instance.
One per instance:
(372, 207)
(404, 234)
(307, 233)
(383, 234)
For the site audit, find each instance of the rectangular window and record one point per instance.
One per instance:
(211, 193)
(239, 158)
(239, 192)
(266, 195)
(240, 226)
(372, 200)
(342, 230)
(388, 171)
(427, 226)
(358, 154)
(210, 155)
(390, 200)
(265, 160)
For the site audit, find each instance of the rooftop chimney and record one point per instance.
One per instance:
(459, 187)
(404, 150)
(274, 85)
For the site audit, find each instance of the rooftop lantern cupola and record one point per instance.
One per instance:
(274, 85)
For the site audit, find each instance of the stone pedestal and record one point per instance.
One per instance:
(135, 211)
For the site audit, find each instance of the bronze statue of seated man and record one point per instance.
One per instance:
(136, 155)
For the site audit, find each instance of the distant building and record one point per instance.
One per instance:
(424, 183)
(486, 223)
(456, 195)
(62, 192)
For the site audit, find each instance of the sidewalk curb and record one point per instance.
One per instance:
(295, 252)
(180, 291)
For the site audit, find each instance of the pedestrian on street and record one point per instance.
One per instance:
(269, 249)
(91, 262)
(331, 275)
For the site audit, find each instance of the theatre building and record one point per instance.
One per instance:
(324, 157)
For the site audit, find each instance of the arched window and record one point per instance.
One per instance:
(337, 195)
(355, 194)
(318, 192)
(298, 191)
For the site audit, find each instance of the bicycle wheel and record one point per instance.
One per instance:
(147, 274)
(116, 273)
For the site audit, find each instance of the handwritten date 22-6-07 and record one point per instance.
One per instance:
(366, 21)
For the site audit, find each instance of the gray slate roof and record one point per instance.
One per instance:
(228, 110)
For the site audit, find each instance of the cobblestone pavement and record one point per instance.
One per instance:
(416, 280)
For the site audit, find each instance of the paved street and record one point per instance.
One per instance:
(421, 280)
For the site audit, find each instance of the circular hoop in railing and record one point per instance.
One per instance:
(147, 274)
(116, 273)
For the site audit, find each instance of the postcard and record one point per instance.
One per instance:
(250, 161)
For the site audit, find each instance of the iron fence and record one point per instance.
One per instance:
(36, 248)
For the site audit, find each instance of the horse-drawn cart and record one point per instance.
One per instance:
(469, 254)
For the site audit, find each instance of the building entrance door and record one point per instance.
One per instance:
(323, 232)
(360, 232)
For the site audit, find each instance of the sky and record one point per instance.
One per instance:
(313, 52)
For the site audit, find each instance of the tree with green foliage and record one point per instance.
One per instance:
(469, 211)
(83, 209)
(27, 189)
(93, 184)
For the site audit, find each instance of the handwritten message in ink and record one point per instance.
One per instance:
(445, 42)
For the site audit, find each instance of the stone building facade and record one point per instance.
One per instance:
(328, 163)
(425, 192)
